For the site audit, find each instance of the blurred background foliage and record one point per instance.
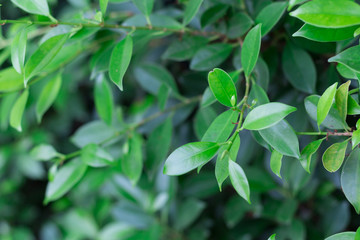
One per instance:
(104, 204)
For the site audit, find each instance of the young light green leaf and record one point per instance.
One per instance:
(103, 99)
(10, 80)
(329, 13)
(250, 49)
(221, 128)
(282, 138)
(239, 180)
(132, 163)
(103, 6)
(18, 50)
(272, 237)
(64, 180)
(145, 6)
(17, 110)
(47, 96)
(355, 140)
(189, 157)
(222, 87)
(350, 179)
(210, 56)
(341, 99)
(33, 6)
(334, 156)
(270, 15)
(267, 115)
(192, 7)
(325, 103)
(43, 55)
(325, 34)
(350, 58)
(120, 60)
(222, 161)
(95, 156)
(275, 162)
(307, 152)
(44, 152)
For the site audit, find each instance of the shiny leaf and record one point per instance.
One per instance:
(239, 180)
(325, 103)
(17, 110)
(222, 87)
(334, 156)
(250, 49)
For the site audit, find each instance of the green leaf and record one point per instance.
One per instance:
(355, 140)
(95, 156)
(222, 161)
(17, 110)
(43, 55)
(192, 7)
(18, 50)
(184, 49)
(350, 58)
(325, 103)
(342, 236)
(116, 230)
(189, 157)
(221, 128)
(341, 99)
(275, 162)
(120, 60)
(357, 235)
(329, 13)
(64, 180)
(189, 211)
(334, 156)
(222, 87)
(325, 34)
(103, 99)
(6, 104)
(353, 106)
(44, 152)
(270, 15)
(213, 14)
(47, 96)
(158, 145)
(203, 119)
(92, 132)
(267, 115)
(239, 24)
(103, 6)
(10, 80)
(250, 49)
(258, 95)
(272, 237)
(282, 138)
(210, 56)
(33, 6)
(350, 179)
(145, 6)
(299, 68)
(132, 162)
(307, 152)
(163, 96)
(239, 180)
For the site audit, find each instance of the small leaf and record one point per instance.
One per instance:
(325, 103)
(325, 34)
(272, 237)
(95, 156)
(329, 13)
(18, 50)
(44, 152)
(307, 152)
(250, 49)
(222, 87)
(350, 58)
(275, 162)
(120, 60)
(221, 128)
(270, 15)
(334, 156)
(192, 7)
(64, 180)
(239, 180)
(47, 96)
(17, 110)
(355, 140)
(145, 6)
(132, 163)
(189, 157)
(33, 6)
(350, 180)
(103, 6)
(43, 55)
(103, 99)
(267, 115)
(341, 99)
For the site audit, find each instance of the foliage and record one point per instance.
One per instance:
(155, 120)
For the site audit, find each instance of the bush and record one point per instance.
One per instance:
(182, 119)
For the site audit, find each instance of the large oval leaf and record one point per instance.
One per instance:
(221, 128)
(250, 49)
(189, 157)
(239, 180)
(267, 115)
(120, 60)
(222, 87)
(329, 13)
(334, 156)
(17, 110)
(350, 58)
(325, 34)
(270, 15)
(325, 103)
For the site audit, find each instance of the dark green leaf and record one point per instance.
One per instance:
(275, 162)
(239, 180)
(192, 7)
(307, 152)
(163, 96)
(257, 95)
(239, 24)
(270, 15)
(189, 210)
(325, 34)
(103, 99)
(325, 103)
(17, 110)
(18, 50)
(185, 48)
(334, 156)
(222, 87)
(250, 49)
(189, 157)
(203, 118)
(120, 60)
(213, 14)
